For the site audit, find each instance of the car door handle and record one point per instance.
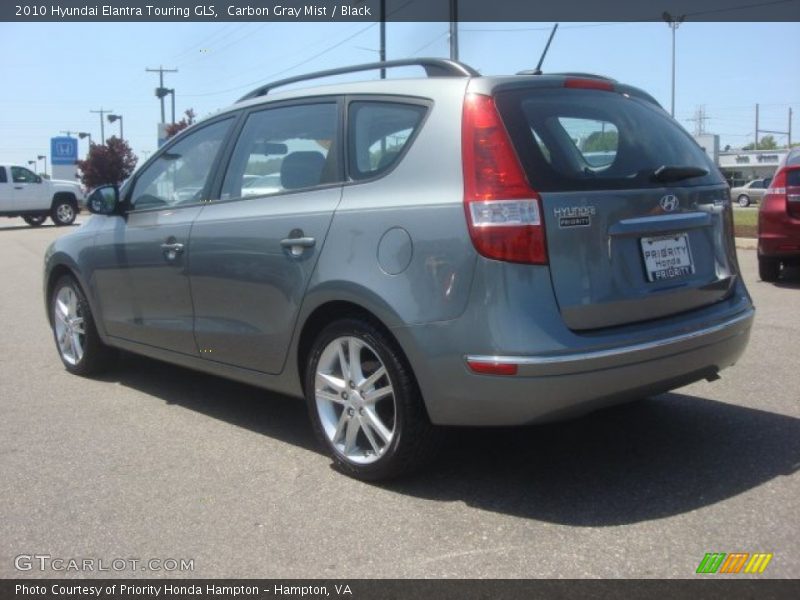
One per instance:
(19, 187)
(171, 250)
(303, 242)
(296, 245)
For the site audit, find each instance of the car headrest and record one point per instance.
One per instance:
(302, 169)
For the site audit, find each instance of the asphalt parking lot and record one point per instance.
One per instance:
(154, 461)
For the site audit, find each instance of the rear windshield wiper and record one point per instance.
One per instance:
(665, 173)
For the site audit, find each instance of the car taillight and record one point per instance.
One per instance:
(783, 190)
(503, 211)
(583, 83)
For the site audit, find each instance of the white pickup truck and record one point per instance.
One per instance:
(25, 194)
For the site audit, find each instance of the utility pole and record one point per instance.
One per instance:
(102, 112)
(787, 133)
(699, 120)
(673, 23)
(383, 37)
(454, 29)
(756, 145)
(161, 70)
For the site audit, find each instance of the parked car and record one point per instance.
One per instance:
(779, 220)
(25, 194)
(752, 191)
(442, 252)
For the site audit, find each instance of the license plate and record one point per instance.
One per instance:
(667, 257)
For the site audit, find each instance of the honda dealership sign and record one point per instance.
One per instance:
(63, 150)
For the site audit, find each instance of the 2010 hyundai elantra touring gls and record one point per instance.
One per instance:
(447, 250)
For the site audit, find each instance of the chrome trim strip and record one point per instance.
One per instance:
(599, 354)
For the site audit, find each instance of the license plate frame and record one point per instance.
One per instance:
(667, 257)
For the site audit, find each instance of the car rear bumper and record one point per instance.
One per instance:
(553, 386)
(776, 245)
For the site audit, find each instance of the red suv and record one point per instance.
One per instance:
(779, 220)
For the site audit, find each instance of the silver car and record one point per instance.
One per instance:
(448, 250)
(752, 191)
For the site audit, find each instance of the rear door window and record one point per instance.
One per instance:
(283, 149)
(569, 139)
(3, 178)
(378, 134)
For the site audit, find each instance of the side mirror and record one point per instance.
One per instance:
(103, 200)
(38, 179)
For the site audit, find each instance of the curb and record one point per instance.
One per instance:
(746, 243)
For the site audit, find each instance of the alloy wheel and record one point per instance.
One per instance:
(69, 325)
(355, 400)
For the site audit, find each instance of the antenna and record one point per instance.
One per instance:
(538, 69)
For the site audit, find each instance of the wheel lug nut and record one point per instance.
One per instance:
(344, 395)
(352, 385)
(350, 412)
(361, 411)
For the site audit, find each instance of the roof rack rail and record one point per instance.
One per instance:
(434, 67)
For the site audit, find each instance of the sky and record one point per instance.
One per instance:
(56, 73)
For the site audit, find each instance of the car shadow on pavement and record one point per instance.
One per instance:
(267, 413)
(790, 278)
(645, 460)
(26, 226)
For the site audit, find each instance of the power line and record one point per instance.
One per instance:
(740, 7)
(300, 64)
(511, 30)
(303, 62)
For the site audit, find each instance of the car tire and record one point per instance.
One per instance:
(63, 213)
(35, 221)
(371, 419)
(743, 200)
(769, 269)
(74, 330)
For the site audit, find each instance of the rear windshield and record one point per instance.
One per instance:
(571, 139)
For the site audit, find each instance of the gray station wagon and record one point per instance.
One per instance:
(408, 254)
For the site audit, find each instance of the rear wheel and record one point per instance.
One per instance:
(364, 403)
(63, 212)
(77, 341)
(35, 221)
(769, 269)
(744, 200)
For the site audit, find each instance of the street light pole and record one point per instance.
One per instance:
(102, 112)
(453, 29)
(673, 23)
(112, 118)
(161, 70)
(383, 37)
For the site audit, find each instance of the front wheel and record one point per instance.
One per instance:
(63, 213)
(769, 269)
(34, 221)
(744, 201)
(364, 403)
(77, 341)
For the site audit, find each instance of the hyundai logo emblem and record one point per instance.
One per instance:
(669, 203)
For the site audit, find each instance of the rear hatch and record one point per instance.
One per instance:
(637, 218)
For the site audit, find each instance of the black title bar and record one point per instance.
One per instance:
(398, 10)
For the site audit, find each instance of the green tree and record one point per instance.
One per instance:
(599, 141)
(766, 143)
(111, 163)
